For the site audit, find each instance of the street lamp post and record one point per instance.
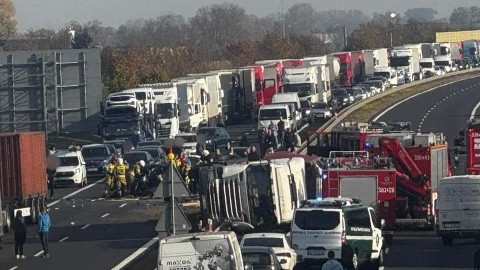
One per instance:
(392, 15)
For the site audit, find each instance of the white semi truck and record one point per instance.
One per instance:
(215, 96)
(167, 113)
(374, 58)
(444, 57)
(311, 79)
(407, 59)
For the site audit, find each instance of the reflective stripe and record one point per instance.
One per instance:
(356, 237)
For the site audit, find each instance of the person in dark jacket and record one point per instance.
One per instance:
(20, 234)
(368, 264)
(51, 181)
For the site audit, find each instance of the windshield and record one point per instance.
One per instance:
(272, 114)
(317, 220)
(128, 128)
(343, 68)
(305, 104)
(350, 91)
(119, 98)
(319, 105)
(141, 95)
(120, 110)
(303, 90)
(382, 74)
(133, 158)
(378, 83)
(69, 161)
(263, 242)
(399, 61)
(165, 110)
(257, 259)
(339, 92)
(426, 64)
(152, 151)
(209, 132)
(378, 78)
(94, 152)
(188, 138)
(442, 63)
(149, 143)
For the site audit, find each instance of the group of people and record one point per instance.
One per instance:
(276, 137)
(119, 176)
(20, 229)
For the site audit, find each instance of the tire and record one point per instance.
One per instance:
(447, 241)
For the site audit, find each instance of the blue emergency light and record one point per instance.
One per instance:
(367, 145)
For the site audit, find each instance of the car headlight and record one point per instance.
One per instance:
(77, 170)
(345, 99)
(208, 142)
(327, 113)
(351, 98)
(307, 112)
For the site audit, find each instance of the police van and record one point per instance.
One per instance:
(342, 225)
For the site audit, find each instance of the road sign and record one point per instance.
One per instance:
(182, 225)
(164, 190)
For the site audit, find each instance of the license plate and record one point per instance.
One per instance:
(450, 225)
(92, 169)
(180, 268)
(316, 252)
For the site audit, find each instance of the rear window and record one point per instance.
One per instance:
(120, 98)
(263, 242)
(257, 259)
(359, 218)
(317, 220)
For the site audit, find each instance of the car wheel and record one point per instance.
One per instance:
(447, 241)
(354, 262)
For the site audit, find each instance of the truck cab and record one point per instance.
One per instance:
(303, 81)
(128, 127)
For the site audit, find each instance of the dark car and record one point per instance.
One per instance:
(155, 142)
(95, 155)
(217, 137)
(135, 156)
(117, 144)
(306, 107)
(261, 258)
(156, 152)
(342, 97)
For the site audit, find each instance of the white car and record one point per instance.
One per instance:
(439, 70)
(189, 142)
(277, 241)
(72, 169)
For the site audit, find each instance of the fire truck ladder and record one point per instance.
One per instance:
(405, 164)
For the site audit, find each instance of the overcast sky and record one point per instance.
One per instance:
(56, 13)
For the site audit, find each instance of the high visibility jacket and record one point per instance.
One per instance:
(138, 170)
(121, 171)
(109, 169)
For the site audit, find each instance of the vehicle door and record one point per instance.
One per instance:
(470, 205)
(377, 243)
(359, 230)
(83, 165)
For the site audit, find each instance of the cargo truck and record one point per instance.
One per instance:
(374, 58)
(325, 75)
(352, 68)
(23, 181)
(473, 146)
(407, 60)
(470, 49)
(334, 70)
(444, 57)
(273, 79)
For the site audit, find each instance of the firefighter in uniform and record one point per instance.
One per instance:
(139, 169)
(120, 173)
(109, 176)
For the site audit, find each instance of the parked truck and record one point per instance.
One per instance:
(374, 58)
(407, 59)
(470, 49)
(23, 182)
(262, 193)
(352, 68)
(166, 108)
(444, 57)
(427, 57)
(472, 138)
(334, 70)
(273, 79)
(419, 161)
(304, 81)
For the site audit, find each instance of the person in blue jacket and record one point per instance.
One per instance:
(43, 228)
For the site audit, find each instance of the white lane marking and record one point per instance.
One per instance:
(86, 226)
(474, 111)
(38, 254)
(63, 239)
(123, 205)
(136, 254)
(13, 268)
(74, 193)
(105, 215)
(410, 97)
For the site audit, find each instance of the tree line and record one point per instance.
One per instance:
(222, 36)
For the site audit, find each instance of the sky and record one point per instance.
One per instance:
(55, 14)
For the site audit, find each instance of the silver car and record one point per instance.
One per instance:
(320, 110)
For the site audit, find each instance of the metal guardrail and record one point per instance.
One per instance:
(332, 122)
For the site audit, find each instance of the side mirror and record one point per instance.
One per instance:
(382, 223)
(283, 261)
(248, 266)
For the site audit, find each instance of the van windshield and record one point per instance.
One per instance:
(94, 152)
(69, 161)
(272, 114)
(317, 220)
(263, 242)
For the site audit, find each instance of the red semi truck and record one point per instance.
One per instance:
(352, 68)
(472, 137)
(23, 183)
(418, 160)
(273, 79)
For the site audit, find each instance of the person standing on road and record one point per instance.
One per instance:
(297, 141)
(368, 264)
(120, 173)
(109, 169)
(281, 131)
(43, 229)
(20, 234)
(332, 264)
(51, 181)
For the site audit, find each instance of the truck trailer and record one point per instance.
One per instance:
(352, 68)
(23, 181)
(374, 58)
(407, 60)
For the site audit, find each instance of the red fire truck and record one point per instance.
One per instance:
(413, 163)
(473, 146)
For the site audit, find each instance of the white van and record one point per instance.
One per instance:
(458, 208)
(293, 101)
(217, 250)
(272, 113)
(342, 225)
(145, 97)
(72, 169)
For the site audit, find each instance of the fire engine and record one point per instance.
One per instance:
(396, 171)
(473, 146)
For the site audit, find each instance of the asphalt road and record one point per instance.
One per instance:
(446, 110)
